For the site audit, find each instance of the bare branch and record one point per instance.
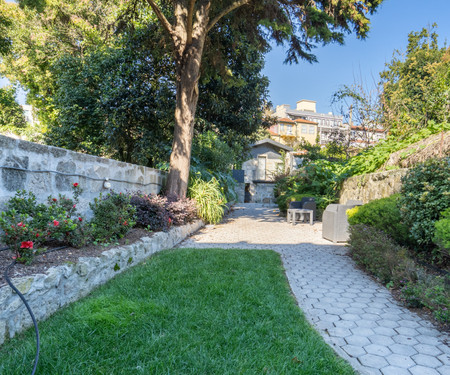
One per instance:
(166, 24)
(190, 21)
(224, 12)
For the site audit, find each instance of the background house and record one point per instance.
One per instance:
(324, 127)
(259, 172)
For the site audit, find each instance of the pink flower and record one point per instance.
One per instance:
(20, 224)
(55, 223)
(26, 245)
(74, 206)
(75, 184)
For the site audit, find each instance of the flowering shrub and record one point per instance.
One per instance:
(27, 225)
(114, 216)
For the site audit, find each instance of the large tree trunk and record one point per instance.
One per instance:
(189, 43)
(188, 73)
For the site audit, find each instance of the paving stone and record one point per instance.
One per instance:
(393, 370)
(381, 340)
(387, 323)
(430, 340)
(409, 323)
(339, 332)
(354, 351)
(428, 349)
(362, 331)
(351, 317)
(400, 360)
(357, 340)
(444, 370)
(403, 349)
(330, 318)
(373, 317)
(345, 324)
(422, 370)
(384, 331)
(427, 360)
(445, 359)
(428, 331)
(371, 360)
(410, 332)
(400, 339)
(377, 349)
(367, 323)
(354, 310)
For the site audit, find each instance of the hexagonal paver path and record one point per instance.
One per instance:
(354, 314)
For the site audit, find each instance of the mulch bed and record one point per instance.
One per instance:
(69, 255)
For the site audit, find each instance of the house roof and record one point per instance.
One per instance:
(303, 121)
(284, 119)
(273, 143)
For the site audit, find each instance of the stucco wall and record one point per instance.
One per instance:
(46, 170)
(372, 186)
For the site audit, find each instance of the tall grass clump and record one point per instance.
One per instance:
(209, 197)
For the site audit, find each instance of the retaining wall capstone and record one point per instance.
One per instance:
(46, 170)
(62, 285)
(372, 186)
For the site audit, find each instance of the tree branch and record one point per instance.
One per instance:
(224, 12)
(166, 24)
(190, 21)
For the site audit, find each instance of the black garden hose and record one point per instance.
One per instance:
(36, 359)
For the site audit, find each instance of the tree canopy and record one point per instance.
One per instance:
(416, 84)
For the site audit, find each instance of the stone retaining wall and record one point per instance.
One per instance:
(59, 286)
(372, 186)
(46, 170)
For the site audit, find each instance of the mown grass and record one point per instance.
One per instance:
(183, 312)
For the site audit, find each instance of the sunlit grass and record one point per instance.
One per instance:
(184, 312)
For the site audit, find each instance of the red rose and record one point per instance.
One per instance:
(125, 223)
(26, 245)
(74, 206)
(75, 184)
(55, 200)
(37, 234)
(20, 224)
(55, 223)
(80, 219)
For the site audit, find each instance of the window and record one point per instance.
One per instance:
(289, 129)
(312, 130)
(304, 129)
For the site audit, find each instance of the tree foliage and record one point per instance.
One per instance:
(416, 85)
(12, 118)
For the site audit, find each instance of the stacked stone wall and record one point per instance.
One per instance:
(46, 170)
(62, 285)
(372, 186)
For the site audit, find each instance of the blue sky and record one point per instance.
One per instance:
(357, 59)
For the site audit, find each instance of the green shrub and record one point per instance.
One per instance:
(318, 179)
(425, 194)
(442, 233)
(209, 197)
(376, 252)
(27, 225)
(382, 214)
(113, 217)
(430, 291)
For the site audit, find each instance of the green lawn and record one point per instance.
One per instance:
(183, 312)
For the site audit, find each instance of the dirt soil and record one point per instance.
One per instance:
(59, 257)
